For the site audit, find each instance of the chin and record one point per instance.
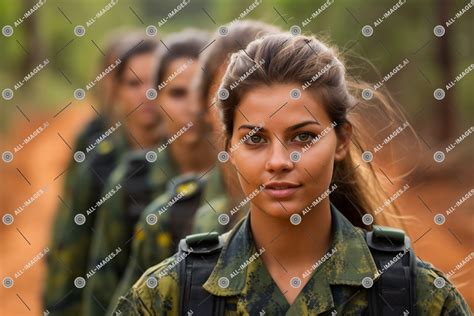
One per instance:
(273, 208)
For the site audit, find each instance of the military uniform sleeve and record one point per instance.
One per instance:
(108, 255)
(455, 305)
(134, 270)
(69, 246)
(130, 304)
(440, 299)
(160, 297)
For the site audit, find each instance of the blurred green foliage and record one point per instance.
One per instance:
(407, 33)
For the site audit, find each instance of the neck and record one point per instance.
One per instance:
(146, 136)
(195, 157)
(295, 246)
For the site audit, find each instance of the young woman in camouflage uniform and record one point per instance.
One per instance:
(142, 179)
(71, 236)
(302, 250)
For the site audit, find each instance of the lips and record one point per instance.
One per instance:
(281, 189)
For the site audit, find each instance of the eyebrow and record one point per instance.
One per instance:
(291, 128)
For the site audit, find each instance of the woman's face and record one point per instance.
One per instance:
(179, 102)
(137, 78)
(288, 125)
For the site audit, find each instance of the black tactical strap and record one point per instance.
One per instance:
(182, 212)
(394, 292)
(137, 188)
(202, 252)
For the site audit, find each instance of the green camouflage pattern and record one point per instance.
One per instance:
(70, 242)
(113, 230)
(335, 287)
(154, 243)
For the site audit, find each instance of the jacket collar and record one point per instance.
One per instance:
(350, 262)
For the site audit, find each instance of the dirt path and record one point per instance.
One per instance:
(36, 166)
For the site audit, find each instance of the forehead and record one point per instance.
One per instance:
(186, 68)
(273, 106)
(143, 63)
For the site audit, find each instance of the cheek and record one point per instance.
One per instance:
(250, 166)
(319, 163)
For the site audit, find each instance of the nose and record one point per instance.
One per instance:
(279, 159)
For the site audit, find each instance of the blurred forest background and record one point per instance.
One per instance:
(74, 62)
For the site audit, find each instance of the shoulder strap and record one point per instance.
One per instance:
(394, 293)
(200, 253)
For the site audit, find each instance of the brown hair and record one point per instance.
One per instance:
(187, 43)
(122, 44)
(239, 35)
(296, 59)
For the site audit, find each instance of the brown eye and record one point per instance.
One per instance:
(178, 93)
(132, 83)
(304, 137)
(254, 140)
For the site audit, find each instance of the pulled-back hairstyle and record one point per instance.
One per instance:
(239, 35)
(290, 59)
(187, 43)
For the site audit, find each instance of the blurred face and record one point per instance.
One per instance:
(264, 158)
(179, 103)
(136, 79)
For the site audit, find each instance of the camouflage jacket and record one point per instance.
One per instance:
(71, 229)
(156, 240)
(334, 287)
(131, 186)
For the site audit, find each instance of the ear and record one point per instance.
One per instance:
(343, 142)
